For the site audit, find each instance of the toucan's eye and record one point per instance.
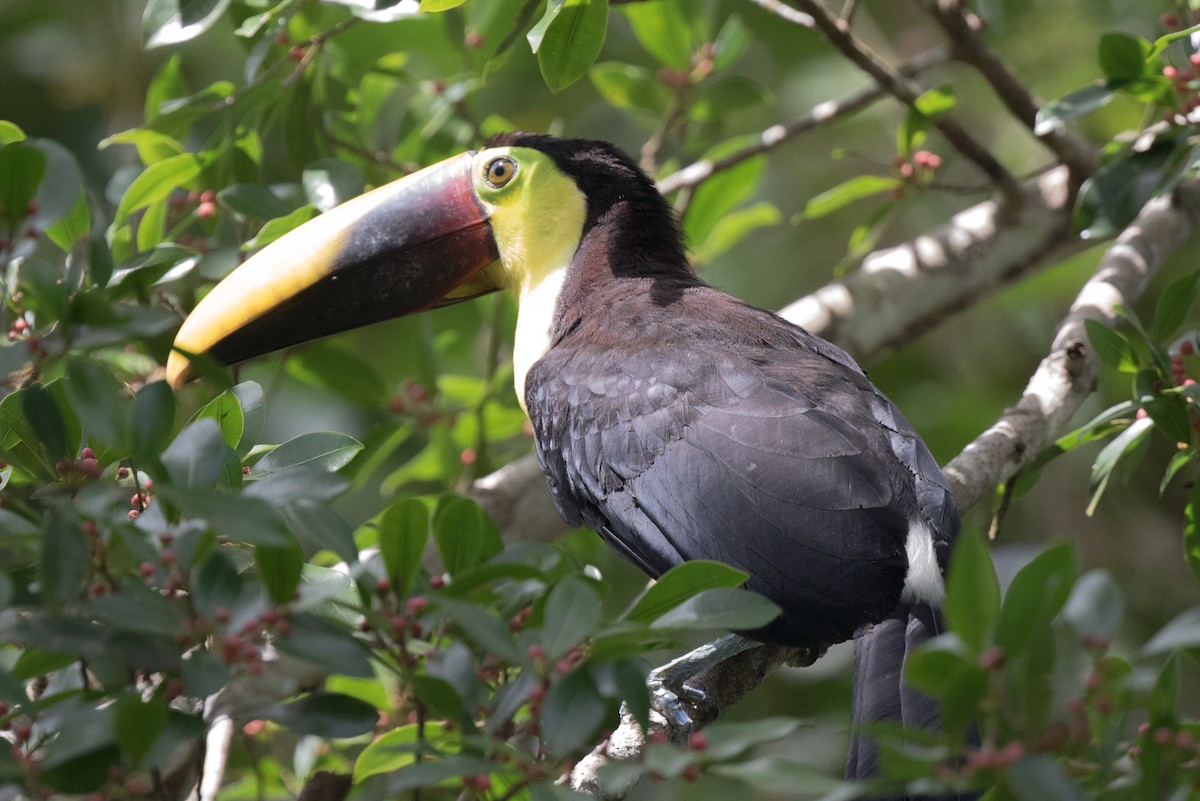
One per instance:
(500, 171)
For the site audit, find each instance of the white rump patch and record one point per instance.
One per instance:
(924, 579)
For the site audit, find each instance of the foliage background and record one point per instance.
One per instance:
(77, 73)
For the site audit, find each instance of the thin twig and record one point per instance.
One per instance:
(786, 12)
(907, 92)
(966, 32)
(697, 173)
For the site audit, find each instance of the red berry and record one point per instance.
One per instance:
(1170, 72)
(87, 453)
(1186, 347)
(122, 472)
(284, 627)
(437, 582)
(24, 732)
(246, 470)
(282, 38)
(297, 53)
(468, 456)
(19, 325)
(206, 210)
(1163, 735)
(133, 513)
(222, 614)
(697, 741)
(64, 466)
(474, 40)
(416, 605)
(691, 773)
(382, 586)
(1169, 21)
(168, 556)
(536, 652)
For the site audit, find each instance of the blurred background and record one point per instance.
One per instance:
(77, 73)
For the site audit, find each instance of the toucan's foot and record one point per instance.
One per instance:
(675, 696)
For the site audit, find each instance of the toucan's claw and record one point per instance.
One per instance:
(667, 703)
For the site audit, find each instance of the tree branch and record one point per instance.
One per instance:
(966, 33)
(698, 172)
(837, 31)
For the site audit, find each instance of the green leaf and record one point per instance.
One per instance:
(1182, 632)
(948, 670)
(733, 228)
(331, 182)
(439, 5)
(719, 608)
(1039, 778)
(571, 41)
(627, 86)
(1191, 530)
(324, 451)
(227, 413)
(572, 614)
(1073, 105)
(74, 227)
(99, 401)
(46, 421)
(722, 193)
(1112, 197)
(21, 171)
(327, 646)
(198, 456)
(482, 627)
(1174, 304)
(1112, 347)
(464, 534)
(680, 583)
(1035, 596)
(279, 226)
(399, 747)
(847, 192)
(1170, 416)
(928, 107)
(1095, 606)
(1108, 458)
(252, 401)
(216, 584)
(10, 132)
(280, 569)
(1123, 56)
(151, 420)
(403, 533)
(156, 183)
(64, 561)
(330, 716)
(731, 41)
(253, 200)
(972, 592)
(572, 711)
(777, 774)
(137, 724)
(1163, 706)
(661, 27)
(334, 367)
(172, 22)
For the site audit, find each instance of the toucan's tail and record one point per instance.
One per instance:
(879, 692)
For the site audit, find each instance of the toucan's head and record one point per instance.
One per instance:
(505, 217)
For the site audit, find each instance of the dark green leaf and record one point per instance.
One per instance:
(198, 455)
(1191, 530)
(776, 774)
(572, 711)
(628, 86)
(328, 715)
(319, 528)
(1116, 193)
(243, 519)
(323, 451)
(1123, 56)
(137, 724)
(948, 670)
(1095, 606)
(216, 585)
(572, 613)
(327, 365)
(972, 592)
(65, 560)
(571, 41)
(680, 583)
(255, 201)
(1170, 416)
(464, 534)
(326, 646)
(280, 569)
(21, 171)
(227, 413)
(481, 626)
(1108, 458)
(151, 419)
(1174, 304)
(47, 422)
(1163, 708)
(1112, 347)
(1035, 595)
(663, 30)
(203, 673)
(719, 609)
(250, 397)
(403, 533)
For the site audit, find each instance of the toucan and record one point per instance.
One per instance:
(676, 421)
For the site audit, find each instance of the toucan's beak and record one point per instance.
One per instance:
(419, 242)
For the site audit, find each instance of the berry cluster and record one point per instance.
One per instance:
(82, 469)
(915, 171)
(202, 204)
